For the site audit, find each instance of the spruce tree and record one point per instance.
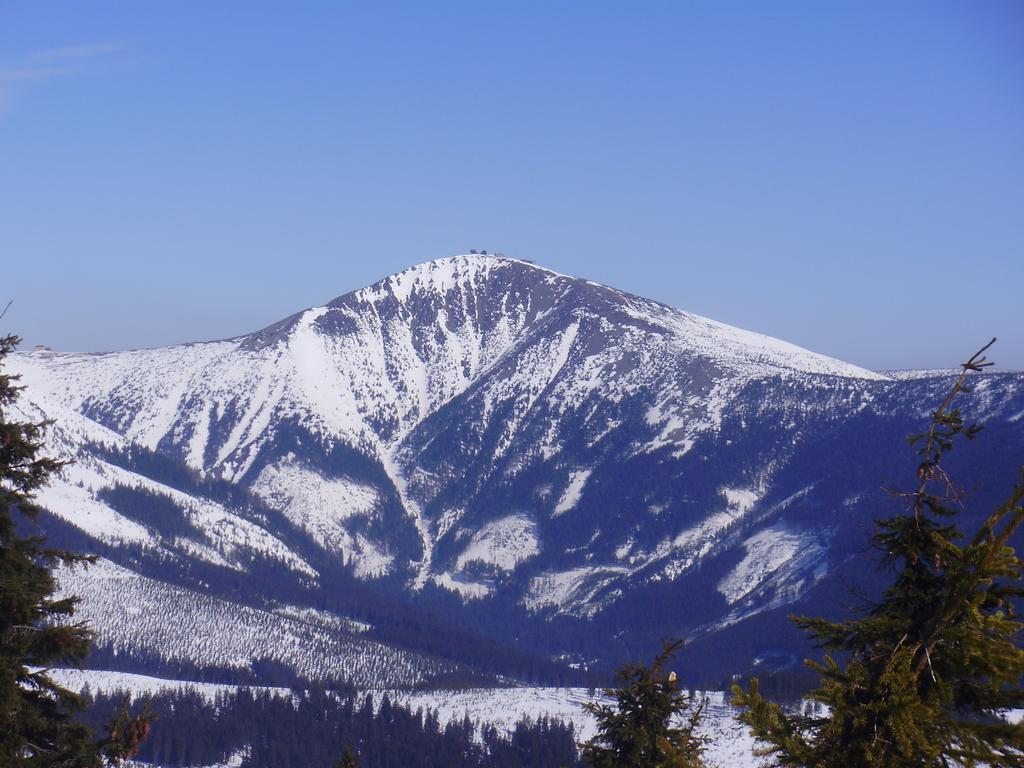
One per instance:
(37, 716)
(653, 723)
(923, 677)
(348, 759)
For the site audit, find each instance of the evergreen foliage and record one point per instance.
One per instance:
(37, 716)
(653, 723)
(156, 511)
(264, 729)
(348, 759)
(925, 675)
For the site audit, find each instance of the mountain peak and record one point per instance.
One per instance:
(451, 273)
(480, 292)
(496, 429)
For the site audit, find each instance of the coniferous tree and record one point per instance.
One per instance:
(653, 723)
(348, 759)
(37, 716)
(925, 676)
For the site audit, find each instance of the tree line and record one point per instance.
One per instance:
(313, 728)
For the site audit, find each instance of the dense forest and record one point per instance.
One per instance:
(312, 729)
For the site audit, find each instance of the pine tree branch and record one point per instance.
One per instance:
(987, 547)
(939, 417)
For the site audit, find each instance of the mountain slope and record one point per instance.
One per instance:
(508, 447)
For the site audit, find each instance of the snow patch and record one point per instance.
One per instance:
(740, 500)
(572, 592)
(573, 491)
(322, 507)
(502, 543)
(106, 681)
(766, 552)
(730, 744)
(471, 590)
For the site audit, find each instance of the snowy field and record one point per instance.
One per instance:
(731, 746)
(98, 681)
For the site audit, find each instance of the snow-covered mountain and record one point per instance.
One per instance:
(545, 451)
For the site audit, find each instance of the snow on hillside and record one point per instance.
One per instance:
(778, 567)
(370, 367)
(323, 619)
(571, 495)
(372, 364)
(130, 613)
(107, 681)
(766, 552)
(495, 428)
(502, 543)
(467, 588)
(75, 495)
(70, 494)
(747, 348)
(572, 591)
(581, 591)
(322, 506)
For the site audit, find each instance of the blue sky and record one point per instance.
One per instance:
(847, 176)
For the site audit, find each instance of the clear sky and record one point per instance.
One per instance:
(846, 176)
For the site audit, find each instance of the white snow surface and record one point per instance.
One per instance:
(779, 566)
(383, 370)
(584, 590)
(740, 500)
(502, 543)
(322, 506)
(466, 587)
(731, 745)
(766, 552)
(573, 491)
(573, 591)
(370, 367)
(108, 681)
(222, 537)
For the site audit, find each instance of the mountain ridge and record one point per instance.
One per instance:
(536, 447)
